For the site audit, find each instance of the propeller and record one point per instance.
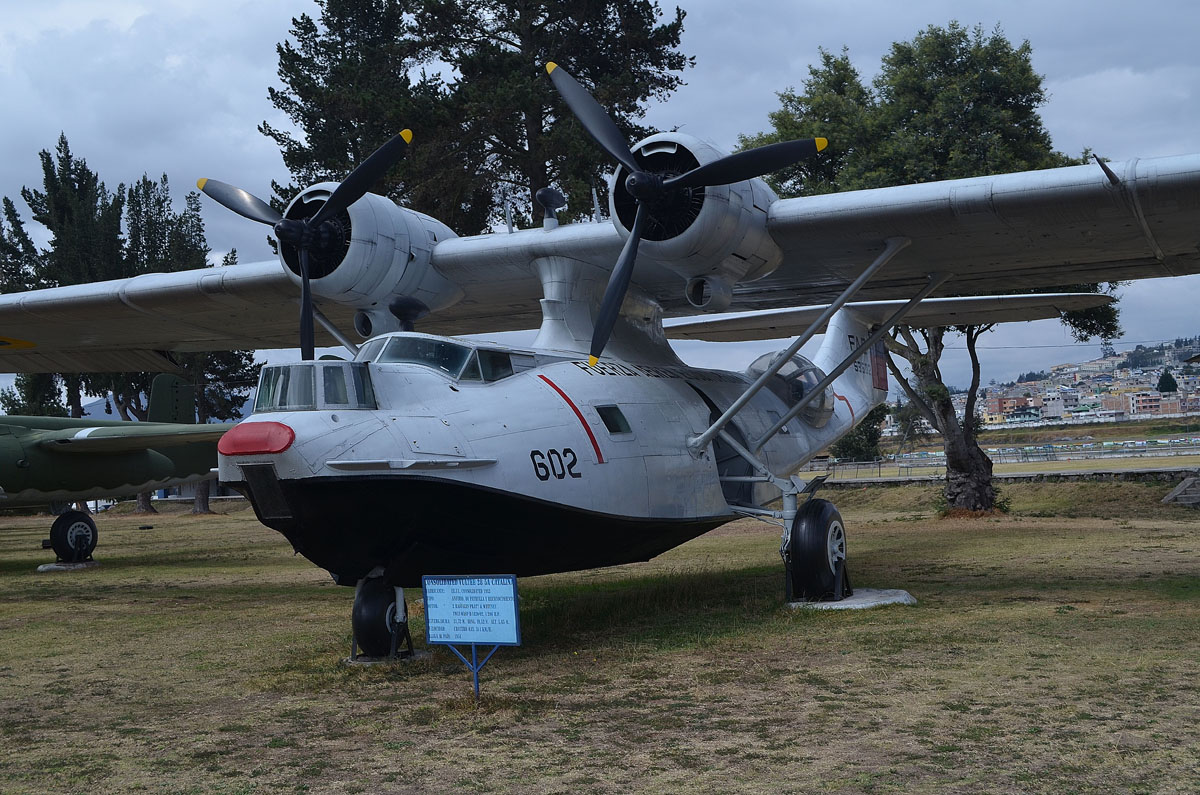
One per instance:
(654, 191)
(318, 232)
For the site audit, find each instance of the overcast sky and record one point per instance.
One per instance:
(180, 86)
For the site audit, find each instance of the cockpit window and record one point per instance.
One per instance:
(369, 350)
(471, 371)
(495, 364)
(286, 388)
(446, 357)
(335, 385)
(294, 387)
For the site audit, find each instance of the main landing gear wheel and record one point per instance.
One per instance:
(378, 630)
(818, 552)
(73, 536)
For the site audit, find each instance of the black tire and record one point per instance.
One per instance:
(73, 536)
(818, 544)
(374, 605)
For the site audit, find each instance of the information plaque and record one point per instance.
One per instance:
(465, 610)
(477, 610)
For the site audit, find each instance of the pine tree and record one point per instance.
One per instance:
(84, 220)
(347, 88)
(21, 268)
(620, 50)
(499, 130)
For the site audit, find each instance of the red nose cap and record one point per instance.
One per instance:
(256, 438)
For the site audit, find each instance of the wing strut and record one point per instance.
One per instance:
(334, 331)
(935, 281)
(894, 246)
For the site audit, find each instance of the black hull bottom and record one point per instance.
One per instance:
(414, 525)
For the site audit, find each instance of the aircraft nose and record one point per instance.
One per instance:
(256, 438)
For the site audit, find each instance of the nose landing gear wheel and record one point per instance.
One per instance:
(73, 537)
(817, 553)
(380, 620)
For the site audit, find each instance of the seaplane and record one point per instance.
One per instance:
(423, 451)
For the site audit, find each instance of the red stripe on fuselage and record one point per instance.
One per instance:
(847, 402)
(579, 414)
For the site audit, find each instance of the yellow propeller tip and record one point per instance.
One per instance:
(550, 67)
(821, 144)
(406, 135)
(592, 360)
(200, 183)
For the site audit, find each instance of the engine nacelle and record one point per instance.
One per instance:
(713, 237)
(382, 258)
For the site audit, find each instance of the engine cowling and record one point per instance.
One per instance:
(713, 237)
(381, 256)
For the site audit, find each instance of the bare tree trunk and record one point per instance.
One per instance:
(968, 468)
(74, 387)
(143, 503)
(203, 490)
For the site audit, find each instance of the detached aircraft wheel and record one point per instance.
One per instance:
(374, 609)
(818, 546)
(73, 536)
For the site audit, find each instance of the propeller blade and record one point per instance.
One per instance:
(244, 204)
(593, 117)
(306, 310)
(362, 178)
(618, 284)
(749, 164)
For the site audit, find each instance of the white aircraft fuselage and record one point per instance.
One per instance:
(433, 454)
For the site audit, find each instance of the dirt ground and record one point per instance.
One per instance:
(1047, 654)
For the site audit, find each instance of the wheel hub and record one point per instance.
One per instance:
(836, 545)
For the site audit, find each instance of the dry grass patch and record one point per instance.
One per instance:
(1047, 655)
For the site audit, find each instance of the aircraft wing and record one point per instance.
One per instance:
(1036, 229)
(781, 323)
(114, 439)
(1031, 229)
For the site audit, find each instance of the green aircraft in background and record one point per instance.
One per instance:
(48, 460)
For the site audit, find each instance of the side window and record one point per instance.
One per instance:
(369, 350)
(334, 379)
(522, 362)
(495, 364)
(613, 419)
(471, 371)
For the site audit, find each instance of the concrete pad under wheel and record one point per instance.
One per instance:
(862, 599)
(60, 566)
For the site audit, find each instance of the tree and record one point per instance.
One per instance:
(910, 426)
(618, 49)
(347, 88)
(36, 394)
(221, 381)
(157, 240)
(493, 133)
(21, 268)
(862, 443)
(84, 220)
(1166, 381)
(21, 264)
(950, 103)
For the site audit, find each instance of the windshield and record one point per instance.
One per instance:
(446, 357)
(307, 387)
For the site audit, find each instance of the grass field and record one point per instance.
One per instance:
(1053, 650)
